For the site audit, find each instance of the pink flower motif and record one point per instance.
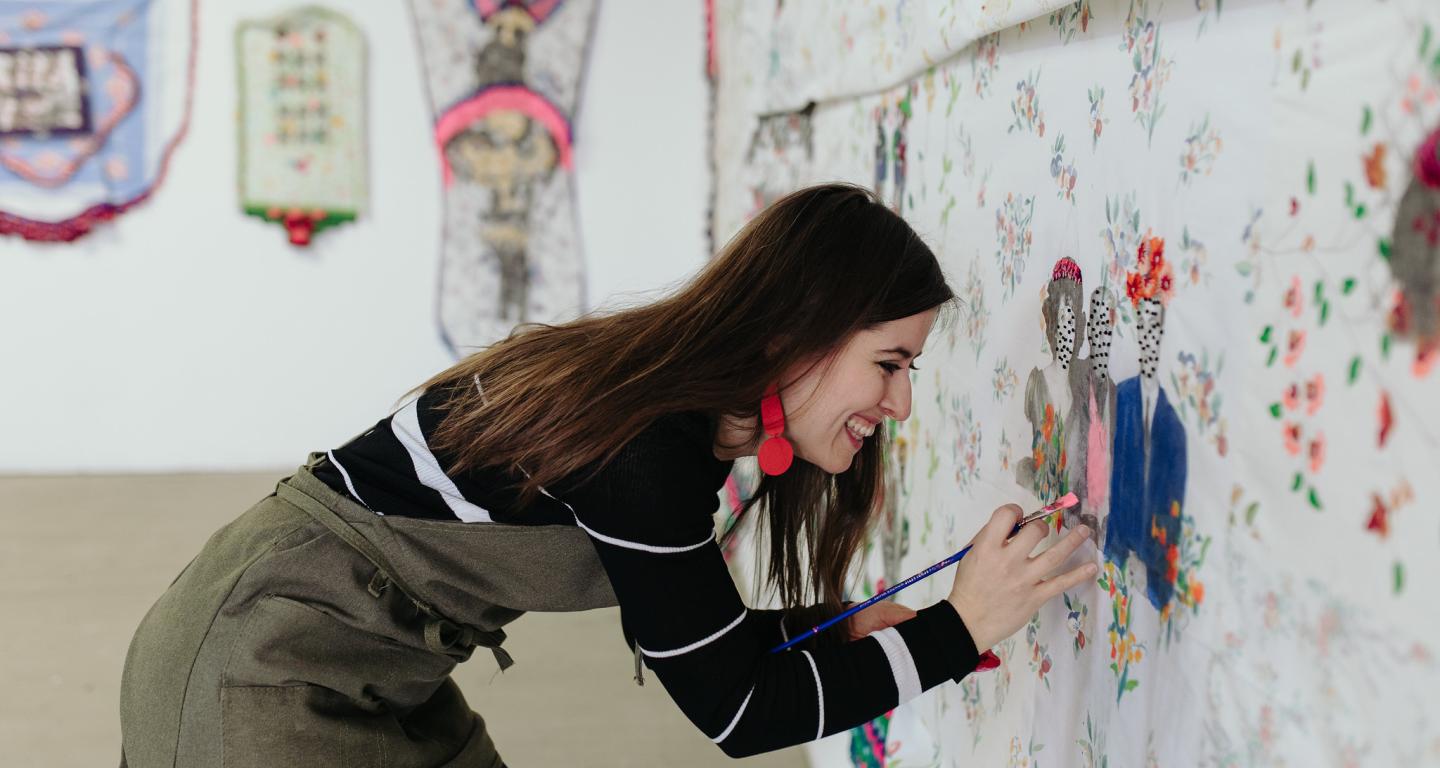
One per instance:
(1291, 432)
(1317, 452)
(1295, 346)
(1314, 394)
(1292, 397)
(1294, 297)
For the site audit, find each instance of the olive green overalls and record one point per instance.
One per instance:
(311, 631)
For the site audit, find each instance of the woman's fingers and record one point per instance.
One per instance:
(1030, 537)
(1051, 559)
(1051, 588)
(1002, 521)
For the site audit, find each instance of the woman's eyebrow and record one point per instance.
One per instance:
(901, 351)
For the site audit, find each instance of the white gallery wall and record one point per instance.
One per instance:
(186, 336)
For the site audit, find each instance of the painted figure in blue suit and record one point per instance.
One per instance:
(1147, 481)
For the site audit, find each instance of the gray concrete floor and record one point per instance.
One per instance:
(82, 559)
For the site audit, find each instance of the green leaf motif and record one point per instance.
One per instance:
(1131, 685)
(1310, 177)
(1297, 482)
(1365, 121)
(1399, 571)
(1348, 286)
(1354, 369)
(1265, 334)
(1314, 498)
(1251, 511)
(1275, 410)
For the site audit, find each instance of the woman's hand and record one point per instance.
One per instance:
(998, 586)
(877, 617)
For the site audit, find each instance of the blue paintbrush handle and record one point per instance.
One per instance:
(1051, 509)
(862, 606)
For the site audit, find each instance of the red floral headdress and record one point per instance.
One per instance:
(1153, 278)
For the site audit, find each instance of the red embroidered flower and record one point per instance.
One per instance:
(1387, 419)
(1153, 277)
(1292, 438)
(1379, 516)
(1291, 399)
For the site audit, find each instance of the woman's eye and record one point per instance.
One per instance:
(891, 367)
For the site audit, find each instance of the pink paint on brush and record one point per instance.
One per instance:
(1064, 502)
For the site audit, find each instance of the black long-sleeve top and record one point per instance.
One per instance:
(649, 513)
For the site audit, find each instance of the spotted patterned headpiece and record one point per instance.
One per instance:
(1066, 269)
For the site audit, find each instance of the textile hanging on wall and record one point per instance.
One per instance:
(302, 120)
(504, 80)
(88, 121)
(1197, 248)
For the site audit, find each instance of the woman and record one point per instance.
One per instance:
(573, 467)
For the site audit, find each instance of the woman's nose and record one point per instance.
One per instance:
(896, 403)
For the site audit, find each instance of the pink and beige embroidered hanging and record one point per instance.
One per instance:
(504, 78)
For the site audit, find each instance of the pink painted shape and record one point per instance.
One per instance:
(517, 98)
(539, 10)
(1097, 459)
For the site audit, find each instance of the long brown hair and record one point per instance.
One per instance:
(793, 285)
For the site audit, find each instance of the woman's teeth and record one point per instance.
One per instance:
(859, 429)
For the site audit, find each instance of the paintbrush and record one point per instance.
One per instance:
(1064, 502)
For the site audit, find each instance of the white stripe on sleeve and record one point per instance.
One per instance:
(735, 720)
(405, 423)
(902, 664)
(819, 694)
(698, 643)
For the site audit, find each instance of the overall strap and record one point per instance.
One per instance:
(441, 634)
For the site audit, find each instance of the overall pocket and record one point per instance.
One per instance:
(303, 687)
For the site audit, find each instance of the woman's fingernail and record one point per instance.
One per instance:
(1083, 530)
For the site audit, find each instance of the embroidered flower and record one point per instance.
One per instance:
(1314, 394)
(1375, 167)
(1317, 452)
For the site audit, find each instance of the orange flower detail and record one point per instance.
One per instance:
(1375, 167)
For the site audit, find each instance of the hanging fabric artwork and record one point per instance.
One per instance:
(301, 120)
(504, 81)
(87, 127)
(1196, 252)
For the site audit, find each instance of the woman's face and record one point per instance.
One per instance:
(867, 380)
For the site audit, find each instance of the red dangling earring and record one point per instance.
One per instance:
(776, 453)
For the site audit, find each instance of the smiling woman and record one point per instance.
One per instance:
(576, 466)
